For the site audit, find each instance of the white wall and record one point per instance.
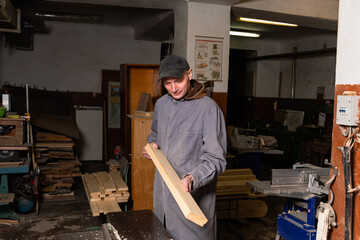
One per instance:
(310, 72)
(72, 55)
(213, 21)
(348, 68)
(267, 72)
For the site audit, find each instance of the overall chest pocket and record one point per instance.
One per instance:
(189, 145)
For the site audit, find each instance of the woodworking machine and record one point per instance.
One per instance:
(303, 187)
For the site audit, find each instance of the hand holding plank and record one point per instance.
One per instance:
(184, 199)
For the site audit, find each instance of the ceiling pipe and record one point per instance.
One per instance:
(71, 17)
(293, 75)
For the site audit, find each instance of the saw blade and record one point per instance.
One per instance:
(5, 154)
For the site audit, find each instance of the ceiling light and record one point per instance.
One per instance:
(266, 22)
(244, 34)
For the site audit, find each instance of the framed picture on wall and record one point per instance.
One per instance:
(208, 58)
(114, 105)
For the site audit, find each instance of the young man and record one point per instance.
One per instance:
(189, 128)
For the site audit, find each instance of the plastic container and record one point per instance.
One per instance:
(2, 112)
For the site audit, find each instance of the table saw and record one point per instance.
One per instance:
(304, 187)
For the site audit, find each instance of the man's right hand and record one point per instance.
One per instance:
(154, 145)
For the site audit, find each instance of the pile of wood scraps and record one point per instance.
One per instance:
(234, 197)
(54, 154)
(104, 191)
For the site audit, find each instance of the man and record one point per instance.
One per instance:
(189, 128)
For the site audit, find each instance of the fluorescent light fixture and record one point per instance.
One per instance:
(254, 20)
(244, 34)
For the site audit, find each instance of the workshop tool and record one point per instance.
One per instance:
(304, 187)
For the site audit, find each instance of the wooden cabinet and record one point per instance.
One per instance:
(134, 80)
(142, 169)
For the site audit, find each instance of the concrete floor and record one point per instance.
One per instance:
(68, 216)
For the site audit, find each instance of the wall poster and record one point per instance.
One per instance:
(208, 58)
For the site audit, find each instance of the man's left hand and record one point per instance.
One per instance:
(187, 182)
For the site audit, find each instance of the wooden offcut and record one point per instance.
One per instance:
(144, 101)
(184, 199)
(6, 198)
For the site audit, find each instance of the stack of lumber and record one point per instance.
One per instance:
(52, 145)
(113, 164)
(104, 191)
(54, 154)
(233, 181)
(234, 197)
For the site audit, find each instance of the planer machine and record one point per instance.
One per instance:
(304, 187)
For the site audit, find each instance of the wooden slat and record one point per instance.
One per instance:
(91, 183)
(243, 171)
(184, 199)
(233, 177)
(105, 180)
(50, 137)
(118, 180)
(110, 206)
(93, 206)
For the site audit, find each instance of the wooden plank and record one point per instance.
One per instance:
(104, 179)
(50, 137)
(143, 104)
(93, 206)
(118, 180)
(143, 113)
(233, 177)
(49, 196)
(142, 169)
(91, 183)
(34, 163)
(184, 199)
(6, 198)
(12, 163)
(110, 205)
(238, 171)
(8, 221)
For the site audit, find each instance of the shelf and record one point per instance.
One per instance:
(25, 146)
(292, 55)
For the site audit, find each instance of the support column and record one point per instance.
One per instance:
(347, 79)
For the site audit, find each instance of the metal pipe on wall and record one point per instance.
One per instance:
(293, 75)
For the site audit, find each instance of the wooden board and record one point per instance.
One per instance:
(119, 182)
(6, 198)
(93, 205)
(104, 180)
(184, 199)
(142, 169)
(90, 182)
(144, 101)
(50, 137)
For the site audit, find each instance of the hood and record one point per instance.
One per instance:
(197, 90)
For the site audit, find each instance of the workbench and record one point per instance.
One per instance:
(130, 225)
(137, 225)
